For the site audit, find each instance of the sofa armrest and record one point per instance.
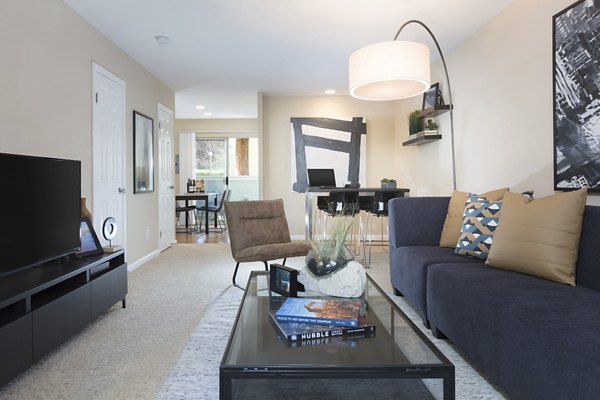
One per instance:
(416, 221)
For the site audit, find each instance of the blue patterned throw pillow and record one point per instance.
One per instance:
(479, 223)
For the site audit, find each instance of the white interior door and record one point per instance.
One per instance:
(108, 152)
(166, 188)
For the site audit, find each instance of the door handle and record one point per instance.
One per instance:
(171, 187)
(122, 190)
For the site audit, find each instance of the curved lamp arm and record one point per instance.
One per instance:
(414, 21)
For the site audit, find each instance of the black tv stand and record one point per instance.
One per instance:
(42, 306)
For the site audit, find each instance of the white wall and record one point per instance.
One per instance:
(46, 98)
(502, 87)
(502, 91)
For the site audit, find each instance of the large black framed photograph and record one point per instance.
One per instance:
(284, 280)
(90, 244)
(143, 153)
(576, 81)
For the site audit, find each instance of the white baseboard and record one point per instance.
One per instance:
(297, 237)
(135, 265)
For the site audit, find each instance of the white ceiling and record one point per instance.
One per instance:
(222, 52)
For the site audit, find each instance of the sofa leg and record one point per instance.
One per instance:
(437, 333)
(398, 293)
(426, 322)
(266, 266)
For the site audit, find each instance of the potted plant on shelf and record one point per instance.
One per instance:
(414, 122)
(430, 128)
(388, 183)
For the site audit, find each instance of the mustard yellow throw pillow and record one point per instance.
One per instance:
(454, 218)
(540, 237)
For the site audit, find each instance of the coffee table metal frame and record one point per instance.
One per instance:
(443, 370)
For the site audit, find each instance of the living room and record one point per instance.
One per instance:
(502, 88)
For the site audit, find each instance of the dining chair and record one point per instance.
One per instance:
(188, 211)
(258, 231)
(217, 210)
(379, 208)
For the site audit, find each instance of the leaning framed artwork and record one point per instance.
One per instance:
(576, 81)
(90, 244)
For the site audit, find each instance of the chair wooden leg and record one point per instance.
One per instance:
(234, 275)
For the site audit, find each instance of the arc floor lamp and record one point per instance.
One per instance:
(396, 70)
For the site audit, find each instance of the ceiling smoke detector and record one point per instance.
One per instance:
(162, 40)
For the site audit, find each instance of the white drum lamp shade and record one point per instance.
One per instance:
(389, 71)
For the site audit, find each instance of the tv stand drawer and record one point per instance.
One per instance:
(60, 319)
(15, 348)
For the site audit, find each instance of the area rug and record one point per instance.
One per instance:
(196, 373)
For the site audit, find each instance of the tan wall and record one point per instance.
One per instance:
(277, 111)
(216, 125)
(502, 86)
(45, 100)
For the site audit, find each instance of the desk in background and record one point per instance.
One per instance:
(197, 196)
(309, 197)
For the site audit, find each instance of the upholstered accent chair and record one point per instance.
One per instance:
(258, 231)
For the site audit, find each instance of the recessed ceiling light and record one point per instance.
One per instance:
(199, 107)
(208, 114)
(330, 91)
(162, 40)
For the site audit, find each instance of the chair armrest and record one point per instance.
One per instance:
(416, 221)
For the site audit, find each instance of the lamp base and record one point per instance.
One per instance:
(112, 249)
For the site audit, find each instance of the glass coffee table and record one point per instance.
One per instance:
(397, 362)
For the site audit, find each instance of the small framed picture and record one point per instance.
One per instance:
(90, 244)
(429, 97)
(284, 280)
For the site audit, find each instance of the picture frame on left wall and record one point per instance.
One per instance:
(143, 153)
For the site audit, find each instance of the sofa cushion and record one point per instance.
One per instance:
(535, 338)
(408, 270)
(454, 216)
(479, 223)
(540, 237)
(273, 251)
(588, 271)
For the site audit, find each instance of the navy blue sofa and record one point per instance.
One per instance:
(534, 338)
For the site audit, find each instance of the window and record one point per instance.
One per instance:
(211, 157)
(232, 157)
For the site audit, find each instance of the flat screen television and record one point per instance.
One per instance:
(39, 210)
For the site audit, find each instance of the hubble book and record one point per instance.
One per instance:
(333, 312)
(294, 331)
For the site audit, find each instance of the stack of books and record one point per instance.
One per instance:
(320, 320)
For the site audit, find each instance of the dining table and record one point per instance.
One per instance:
(195, 196)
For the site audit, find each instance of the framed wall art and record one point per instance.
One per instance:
(328, 143)
(143, 153)
(576, 79)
